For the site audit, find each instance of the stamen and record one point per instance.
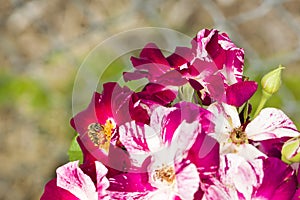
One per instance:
(238, 136)
(165, 174)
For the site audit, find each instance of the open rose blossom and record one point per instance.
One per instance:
(188, 133)
(162, 149)
(235, 137)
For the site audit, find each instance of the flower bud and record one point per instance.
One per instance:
(291, 151)
(271, 81)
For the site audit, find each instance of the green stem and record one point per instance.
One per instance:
(263, 100)
(246, 111)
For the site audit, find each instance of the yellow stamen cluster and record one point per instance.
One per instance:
(238, 136)
(165, 174)
(101, 135)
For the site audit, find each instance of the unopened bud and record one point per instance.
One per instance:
(290, 152)
(271, 81)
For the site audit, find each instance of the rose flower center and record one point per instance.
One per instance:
(165, 174)
(100, 134)
(238, 136)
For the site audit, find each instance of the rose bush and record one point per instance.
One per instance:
(188, 133)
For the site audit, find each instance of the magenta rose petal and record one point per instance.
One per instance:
(130, 182)
(215, 87)
(238, 93)
(71, 178)
(83, 119)
(164, 121)
(140, 63)
(52, 191)
(195, 84)
(134, 137)
(102, 181)
(157, 93)
(272, 147)
(149, 70)
(296, 195)
(151, 64)
(205, 155)
(153, 53)
(114, 103)
(181, 56)
(279, 186)
(154, 66)
(171, 78)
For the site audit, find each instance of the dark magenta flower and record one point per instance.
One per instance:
(97, 125)
(213, 67)
(218, 69)
(211, 45)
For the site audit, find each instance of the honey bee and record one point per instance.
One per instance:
(97, 134)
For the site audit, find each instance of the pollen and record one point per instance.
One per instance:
(238, 136)
(100, 134)
(165, 174)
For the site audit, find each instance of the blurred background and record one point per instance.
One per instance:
(43, 43)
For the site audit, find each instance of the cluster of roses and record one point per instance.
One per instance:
(189, 133)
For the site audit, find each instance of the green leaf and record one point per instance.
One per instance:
(74, 151)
